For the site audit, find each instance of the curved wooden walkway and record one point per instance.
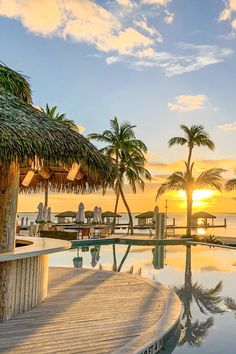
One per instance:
(89, 311)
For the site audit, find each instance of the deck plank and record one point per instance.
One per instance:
(86, 311)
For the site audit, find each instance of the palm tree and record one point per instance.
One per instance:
(193, 136)
(52, 113)
(185, 181)
(127, 153)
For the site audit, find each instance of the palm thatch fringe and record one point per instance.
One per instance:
(26, 132)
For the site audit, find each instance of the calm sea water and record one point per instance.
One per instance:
(204, 280)
(180, 218)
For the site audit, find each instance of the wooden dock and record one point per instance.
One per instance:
(89, 311)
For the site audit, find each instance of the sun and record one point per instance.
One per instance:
(200, 196)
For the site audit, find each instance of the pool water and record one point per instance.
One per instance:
(203, 277)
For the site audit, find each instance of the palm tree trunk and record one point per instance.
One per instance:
(128, 211)
(189, 159)
(189, 213)
(9, 186)
(46, 194)
(115, 212)
(117, 194)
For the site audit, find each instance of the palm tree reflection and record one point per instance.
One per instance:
(208, 301)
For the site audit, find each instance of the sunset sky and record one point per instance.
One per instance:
(156, 63)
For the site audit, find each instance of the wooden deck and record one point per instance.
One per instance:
(89, 311)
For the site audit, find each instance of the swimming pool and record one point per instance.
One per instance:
(203, 277)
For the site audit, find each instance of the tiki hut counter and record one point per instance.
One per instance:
(37, 151)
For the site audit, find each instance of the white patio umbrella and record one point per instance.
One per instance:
(49, 214)
(95, 215)
(39, 217)
(80, 216)
(45, 212)
(100, 215)
(22, 221)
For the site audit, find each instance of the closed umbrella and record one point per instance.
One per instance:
(95, 215)
(80, 216)
(39, 217)
(100, 215)
(45, 212)
(49, 215)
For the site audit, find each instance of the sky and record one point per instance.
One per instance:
(155, 63)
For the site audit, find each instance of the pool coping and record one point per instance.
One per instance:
(35, 246)
(151, 341)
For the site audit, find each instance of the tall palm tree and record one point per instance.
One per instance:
(52, 113)
(185, 181)
(127, 153)
(193, 136)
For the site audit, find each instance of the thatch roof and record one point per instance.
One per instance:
(26, 132)
(147, 215)
(110, 214)
(89, 214)
(66, 214)
(203, 215)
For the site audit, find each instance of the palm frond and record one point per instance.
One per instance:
(15, 83)
(230, 185)
(210, 179)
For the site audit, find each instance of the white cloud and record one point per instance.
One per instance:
(151, 30)
(228, 13)
(169, 17)
(127, 4)
(42, 16)
(228, 127)
(188, 103)
(156, 2)
(130, 39)
(192, 58)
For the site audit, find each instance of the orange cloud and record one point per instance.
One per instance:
(188, 103)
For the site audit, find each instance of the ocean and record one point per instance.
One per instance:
(180, 219)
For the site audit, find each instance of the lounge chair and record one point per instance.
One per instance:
(106, 232)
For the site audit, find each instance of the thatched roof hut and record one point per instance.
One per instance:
(66, 214)
(89, 214)
(30, 140)
(145, 218)
(62, 217)
(201, 218)
(110, 214)
(203, 215)
(26, 132)
(146, 215)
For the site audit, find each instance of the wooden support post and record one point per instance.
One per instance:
(9, 186)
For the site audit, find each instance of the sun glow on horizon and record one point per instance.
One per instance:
(200, 197)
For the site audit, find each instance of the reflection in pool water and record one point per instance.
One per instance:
(203, 278)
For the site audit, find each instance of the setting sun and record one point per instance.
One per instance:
(200, 197)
